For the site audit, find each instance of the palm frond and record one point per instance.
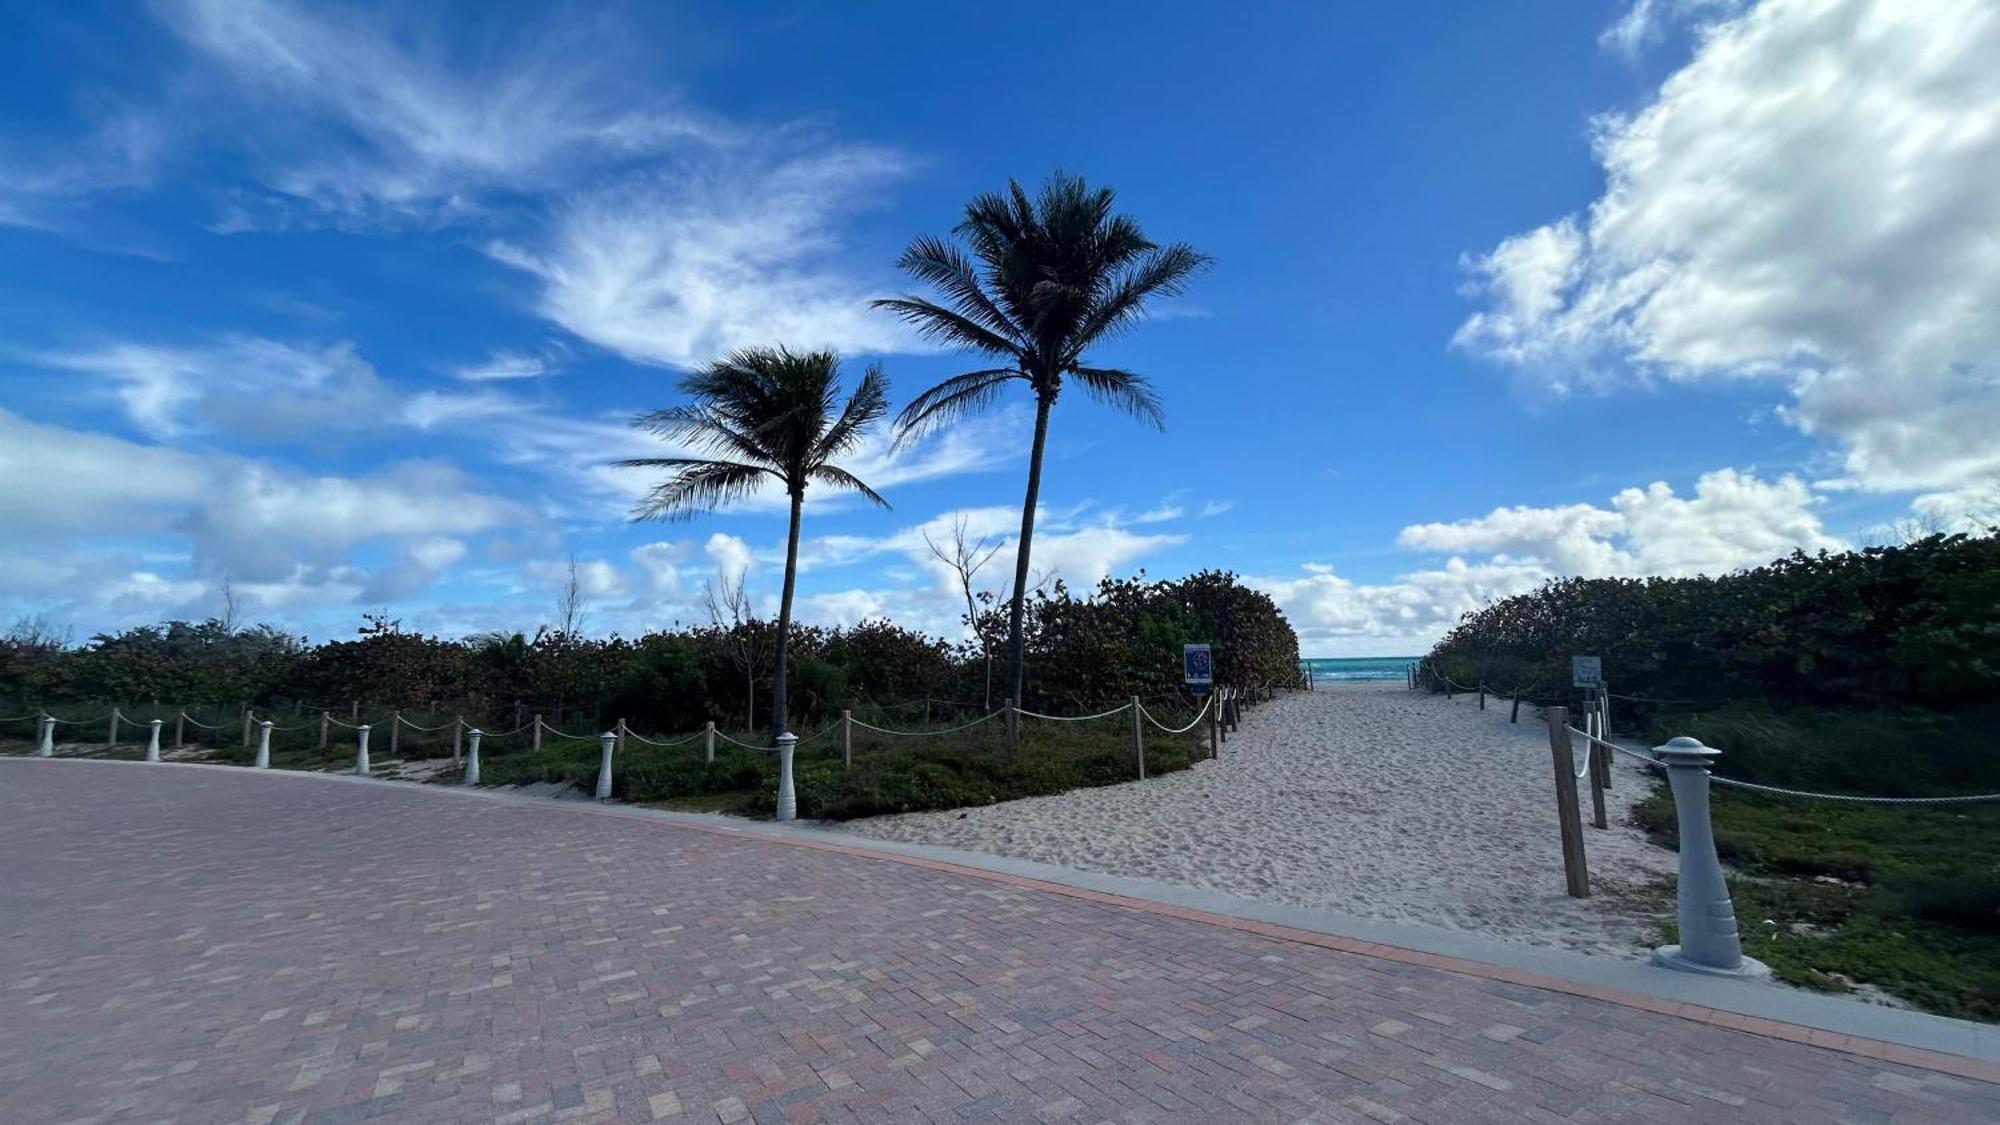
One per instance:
(951, 399)
(1123, 390)
(869, 402)
(1162, 274)
(840, 478)
(704, 427)
(945, 266)
(935, 322)
(696, 486)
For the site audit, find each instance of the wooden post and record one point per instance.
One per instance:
(180, 719)
(395, 733)
(708, 742)
(1516, 716)
(1575, 874)
(457, 729)
(927, 710)
(248, 716)
(325, 723)
(847, 736)
(1594, 766)
(1139, 736)
(621, 738)
(1212, 725)
(354, 711)
(538, 732)
(1447, 688)
(112, 738)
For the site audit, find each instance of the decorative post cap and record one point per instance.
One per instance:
(162, 722)
(266, 722)
(612, 734)
(363, 726)
(1686, 751)
(788, 736)
(474, 730)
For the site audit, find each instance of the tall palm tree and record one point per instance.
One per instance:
(1046, 279)
(763, 414)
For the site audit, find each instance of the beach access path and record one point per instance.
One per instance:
(209, 944)
(1363, 798)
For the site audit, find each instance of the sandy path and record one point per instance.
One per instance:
(1362, 798)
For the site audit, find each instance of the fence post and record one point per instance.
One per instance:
(788, 797)
(361, 750)
(622, 731)
(353, 711)
(395, 734)
(47, 747)
(1594, 766)
(1604, 732)
(153, 740)
(847, 736)
(180, 729)
(249, 717)
(457, 730)
(1709, 939)
(927, 710)
(1139, 736)
(325, 720)
(112, 738)
(605, 742)
(1516, 716)
(1482, 695)
(1212, 724)
(538, 733)
(708, 742)
(1576, 875)
(472, 756)
(263, 746)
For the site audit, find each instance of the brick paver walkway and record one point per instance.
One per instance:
(205, 945)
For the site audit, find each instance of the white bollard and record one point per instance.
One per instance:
(361, 750)
(153, 740)
(1709, 939)
(606, 740)
(472, 756)
(788, 798)
(263, 761)
(47, 749)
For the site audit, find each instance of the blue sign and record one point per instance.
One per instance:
(1197, 666)
(1586, 671)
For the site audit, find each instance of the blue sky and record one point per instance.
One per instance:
(346, 307)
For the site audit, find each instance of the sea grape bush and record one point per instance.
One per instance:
(1124, 639)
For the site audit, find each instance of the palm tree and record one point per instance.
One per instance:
(765, 414)
(1046, 279)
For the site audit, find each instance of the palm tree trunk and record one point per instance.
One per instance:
(1016, 642)
(785, 617)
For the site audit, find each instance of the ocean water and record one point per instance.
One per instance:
(1360, 668)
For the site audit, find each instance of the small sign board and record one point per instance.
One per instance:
(1586, 671)
(1197, 667)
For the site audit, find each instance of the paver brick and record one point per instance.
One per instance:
(211, 945)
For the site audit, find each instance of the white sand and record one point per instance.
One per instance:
(1362, 798)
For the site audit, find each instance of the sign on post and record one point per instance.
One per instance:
(1586, 671)
(1197, 667)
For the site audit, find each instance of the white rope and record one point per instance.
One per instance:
(276, 729)
(928, 733)
(565, 734)
(1178, 730)
(1845, 798)
(1077, 718)
(502, 733)
(194, 722)
(745, 745)
(1646, 758)
(336, 722)
(82, 722)
(669, 742)
(21, 719)
(425, 729)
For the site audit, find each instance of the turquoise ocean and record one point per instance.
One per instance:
(1359, 668)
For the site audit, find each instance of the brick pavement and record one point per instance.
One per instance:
(204, 945)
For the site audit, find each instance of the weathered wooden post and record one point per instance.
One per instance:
(622, 731)
(1709, 939)
(111, 739)
(1482, 695)
(1139, 736)
(1212, 725)
(395, 734)
(472, 756)
(788, 797)
(46, 748)
(354, 711)
(847, 737)
(1594, 766)
(249, 717)
(325, 724)
(361, 750)
(605, 742)
(457, 730)
(708, 742)
(537, 745)
(153, 740)
(180, 729)
(1516, 716)
(1575, 873)
(927, 710)
(263, 761)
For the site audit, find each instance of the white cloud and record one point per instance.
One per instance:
(506, 365)
(730, 556)
(1808, 201)
(685, 266)
(1734, 520)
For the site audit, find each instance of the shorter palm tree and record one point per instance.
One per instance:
(762, 414)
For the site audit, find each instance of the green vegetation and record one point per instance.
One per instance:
(1905, 899)
(1871, 672)
(888, 775)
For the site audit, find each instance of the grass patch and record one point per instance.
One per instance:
(1905, 899)
(888, 775)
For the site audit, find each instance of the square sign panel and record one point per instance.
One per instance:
(1586, 671)
(1197, 665)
